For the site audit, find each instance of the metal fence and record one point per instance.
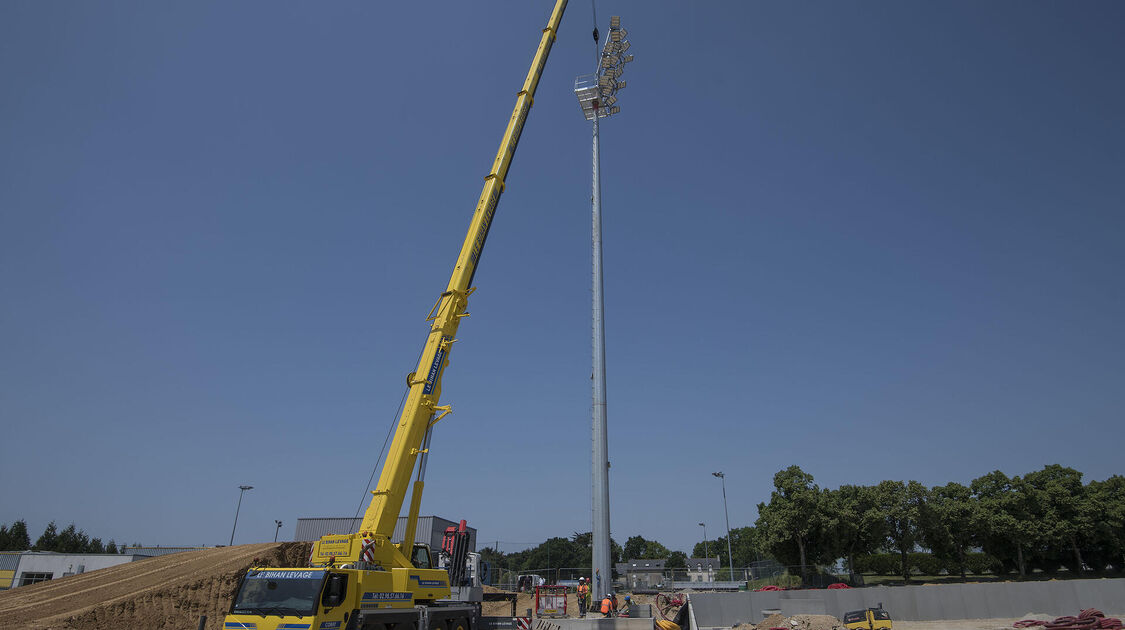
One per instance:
(755, 576)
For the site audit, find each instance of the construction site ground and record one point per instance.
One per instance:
(171, 593)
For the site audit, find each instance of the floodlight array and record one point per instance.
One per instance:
(597, 93)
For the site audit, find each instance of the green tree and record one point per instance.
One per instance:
(1108, 498)
(635, 547)
(676, 560)
(793, 518)
(1067, 513)
(900, 505)
(111, 547)
(706, 549)
(96, 546)
(853, 523)
(72, 540)
(1005, 519)
(49, 539)
(746, 545)
(947, 524)
(18, 539)
(639, 547)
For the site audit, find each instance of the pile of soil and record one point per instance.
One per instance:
(773, 621)
(796, 622)
(163, 593)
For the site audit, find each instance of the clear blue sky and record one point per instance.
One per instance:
(877, 240)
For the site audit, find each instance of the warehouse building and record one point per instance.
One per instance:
(429, 530)
(29, 567)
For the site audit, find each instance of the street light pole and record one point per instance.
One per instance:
(730, 558)
(706, 547)
(241, 490)
(276, 530)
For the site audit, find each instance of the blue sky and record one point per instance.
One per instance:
(877, 240)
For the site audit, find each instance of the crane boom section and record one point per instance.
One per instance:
(421, 405)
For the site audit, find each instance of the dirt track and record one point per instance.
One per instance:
(163, 593)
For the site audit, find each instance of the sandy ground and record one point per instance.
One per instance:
(162, 593)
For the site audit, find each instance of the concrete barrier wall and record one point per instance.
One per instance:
(917, 603)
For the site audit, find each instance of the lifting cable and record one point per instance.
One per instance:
(390, 430)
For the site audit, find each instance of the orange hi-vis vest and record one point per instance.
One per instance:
(583, 591)
(606, 605)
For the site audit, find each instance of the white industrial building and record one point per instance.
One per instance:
(40, 566)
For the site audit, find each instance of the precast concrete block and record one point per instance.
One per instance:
(802, 606)
(975, 600)
(928, 604)
(1109, 595)
(1033, 597)
(900, 602)
(829, 599)
(848, 600)
(995, 600)
(1065, 596)
(713, 610)
(953, 601)
(763, 601)
(603, 623)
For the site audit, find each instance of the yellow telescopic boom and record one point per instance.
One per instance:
(421, 410)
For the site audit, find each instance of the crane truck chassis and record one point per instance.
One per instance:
(361, 580)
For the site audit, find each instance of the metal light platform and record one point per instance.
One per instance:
(589, 97)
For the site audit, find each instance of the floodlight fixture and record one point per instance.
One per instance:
(616, 36)
(628, 58)
(623, 46)
(615, 109)
(609, 100)
(620, 85)
(615, 21)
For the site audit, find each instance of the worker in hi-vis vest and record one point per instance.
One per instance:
(583, 596)
(607, 605)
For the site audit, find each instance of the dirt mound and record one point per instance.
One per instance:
(162, 593)
(773, 621)
(814, 622)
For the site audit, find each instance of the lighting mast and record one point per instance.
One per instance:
(597, 95)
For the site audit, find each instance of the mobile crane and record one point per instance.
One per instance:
(362, 581)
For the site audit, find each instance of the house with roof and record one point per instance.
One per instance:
(702, 569)
(640, 573)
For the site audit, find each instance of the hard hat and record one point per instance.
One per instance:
(626, 597)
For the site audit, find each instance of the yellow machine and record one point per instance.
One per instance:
(361, 580)
(870, 619)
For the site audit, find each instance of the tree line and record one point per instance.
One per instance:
(69, 540)
(1046, 520)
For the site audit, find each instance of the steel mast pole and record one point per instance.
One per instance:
(601, 535)
(596, 95)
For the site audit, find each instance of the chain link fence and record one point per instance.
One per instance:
(766, 573)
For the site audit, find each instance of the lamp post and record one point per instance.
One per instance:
(276, 530)
(597, 94)
(730, 558)
(706, 547)
(241, 491)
